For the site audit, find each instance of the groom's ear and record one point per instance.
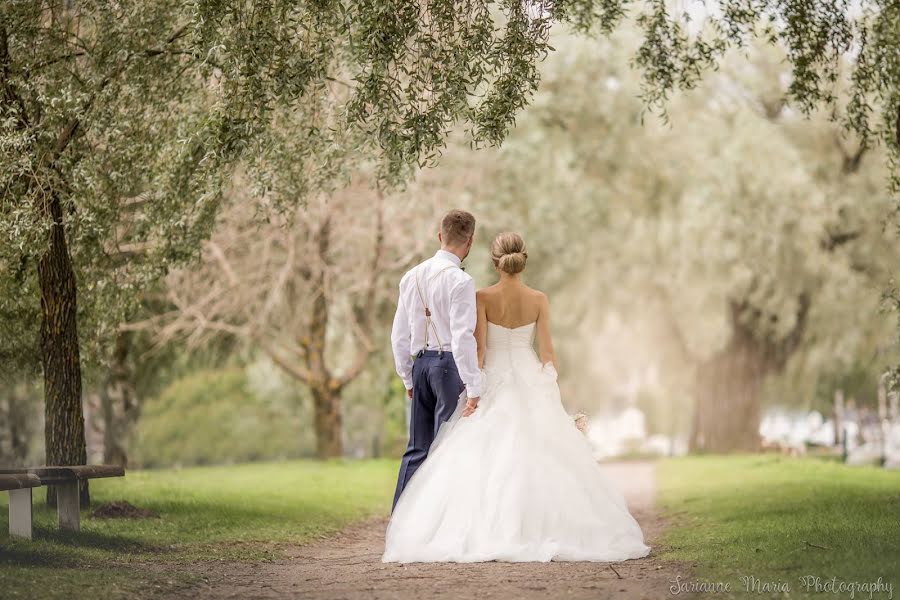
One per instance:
(440, 237)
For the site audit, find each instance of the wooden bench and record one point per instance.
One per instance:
(66, 480)
(19, 488)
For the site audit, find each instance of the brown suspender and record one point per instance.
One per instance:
(423, 297)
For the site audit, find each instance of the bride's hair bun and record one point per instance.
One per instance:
(508, 253)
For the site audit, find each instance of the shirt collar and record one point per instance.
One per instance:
(448, 256)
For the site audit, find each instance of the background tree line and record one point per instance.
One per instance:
(134, 133)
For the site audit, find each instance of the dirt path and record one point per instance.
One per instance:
(348, 566)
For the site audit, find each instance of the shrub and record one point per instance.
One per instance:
(216, 416)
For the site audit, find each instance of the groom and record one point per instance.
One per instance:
(433, 339)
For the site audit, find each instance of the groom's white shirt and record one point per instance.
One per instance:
(451, 296)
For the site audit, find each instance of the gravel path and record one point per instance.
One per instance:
(348, 566)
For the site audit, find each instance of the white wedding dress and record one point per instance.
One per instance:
(515, 481)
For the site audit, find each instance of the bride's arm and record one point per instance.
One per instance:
(480, 329)
(545, 342)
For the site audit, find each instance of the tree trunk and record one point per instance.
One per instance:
(729, 385)
(64, 422)
(19, 431)
(17, 416)
(327, 405)
(118, 403)
(326, 391)
(728, 402)
(839, 417)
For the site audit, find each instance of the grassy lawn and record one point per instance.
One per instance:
(206, 513)
(776, 519)
(779, 519)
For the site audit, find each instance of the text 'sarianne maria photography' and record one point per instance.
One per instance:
(808, 584)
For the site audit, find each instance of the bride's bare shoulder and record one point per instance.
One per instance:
(536, 294)
(483, 296)
(486, 291)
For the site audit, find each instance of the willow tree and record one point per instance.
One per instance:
(827, 42)
(843, 59)
(120, 122)
(739, 245)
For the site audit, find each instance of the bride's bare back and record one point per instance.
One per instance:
(512, 304)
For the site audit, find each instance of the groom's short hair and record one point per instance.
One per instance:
(457, 227)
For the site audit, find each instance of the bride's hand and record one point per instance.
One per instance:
(471, 405)
(550, 369)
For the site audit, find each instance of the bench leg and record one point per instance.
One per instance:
(68, 507)
(20, 513)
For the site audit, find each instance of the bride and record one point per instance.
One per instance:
(513, 479)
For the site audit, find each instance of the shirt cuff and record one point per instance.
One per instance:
(473, 390)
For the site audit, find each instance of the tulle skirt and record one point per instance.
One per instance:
(515, 482)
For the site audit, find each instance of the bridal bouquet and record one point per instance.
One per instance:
(581, 422)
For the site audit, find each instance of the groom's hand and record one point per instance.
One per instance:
(471, 405)
(409, 393)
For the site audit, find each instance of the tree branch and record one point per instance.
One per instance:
(61, 58)
(280, 282)
(834, 239)
(216, 250)
(851, 161)
(296, 370)
(72, 126)
(780, 352)
(363, 312)
(9, 93)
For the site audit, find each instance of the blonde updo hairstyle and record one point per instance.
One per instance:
(508, 253)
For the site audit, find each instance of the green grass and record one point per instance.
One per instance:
(779, 519)
(237, 512)
(769, 517)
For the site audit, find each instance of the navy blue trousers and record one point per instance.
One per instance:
(436, 391)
